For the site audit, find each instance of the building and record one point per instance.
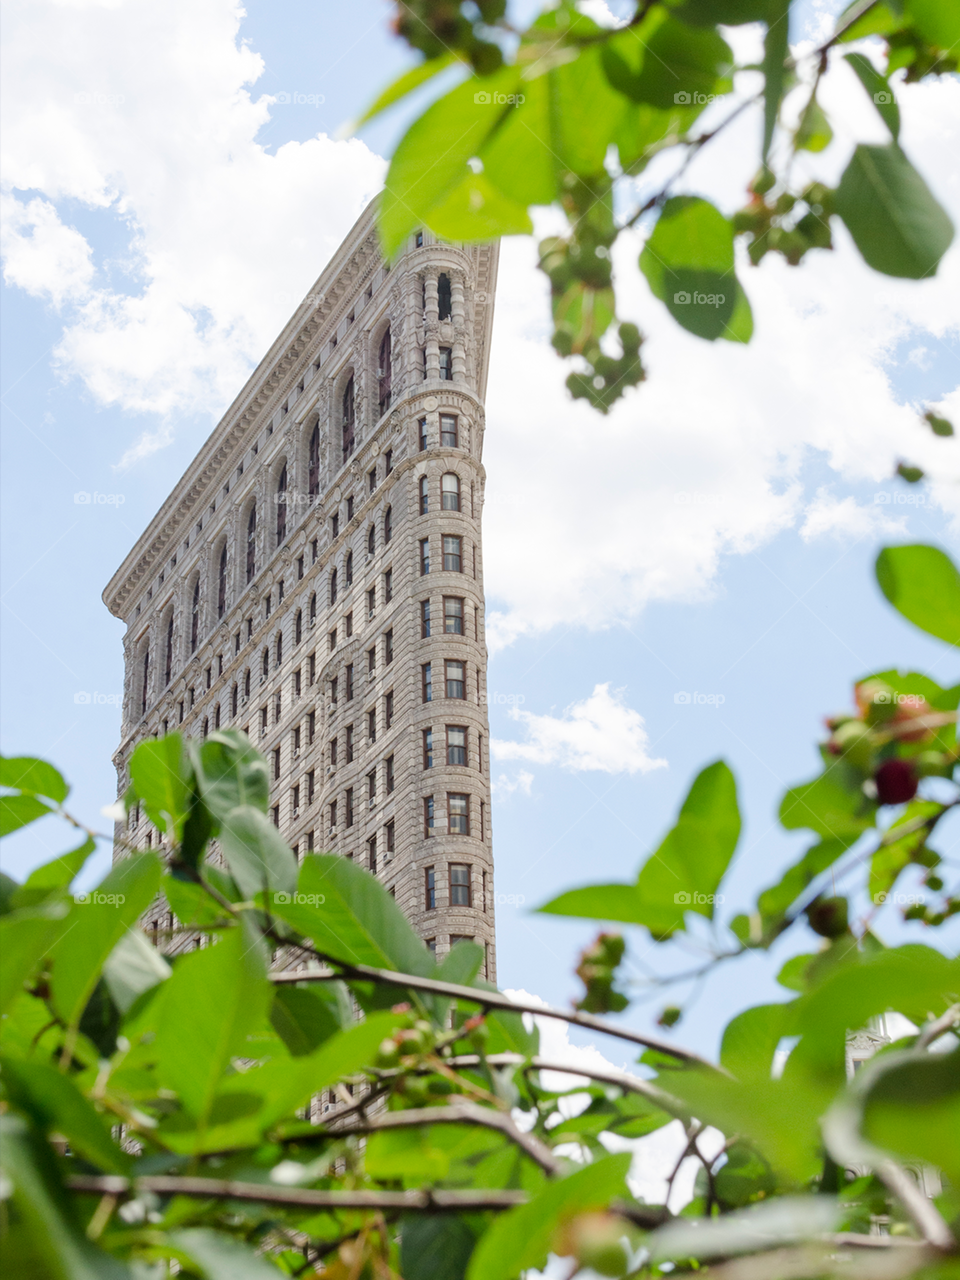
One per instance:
(316, 579)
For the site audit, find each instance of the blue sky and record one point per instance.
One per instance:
(715, 536)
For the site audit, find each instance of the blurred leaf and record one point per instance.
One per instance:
(762, 1226)
(304, 1017)
(776, 50)
(25, 941)
(161, 779)
(230, 773)
(190, 902)
(677, 63)
(894, 219)
(222, 1257)
(777, 900)
(435, 1246)
(56, 875)
(405, 84)
(912, 1108)
(256, 853)
(938, 21)
(20, 811)
(890, 859)
(25, 773)
(923, 584)
(879, 90)
(729, 13)
(833, 805)
(688, 260)
(750, 1040)
(132, 967)
(813, 132)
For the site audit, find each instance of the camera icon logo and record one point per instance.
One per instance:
(81, 898)
(883, 98)
(82, 499)
(281, 898)
(682, 697)
(283, 98)
(681, 299)
(82, 698)
(682, 99)
(482, 99)
(682, 899)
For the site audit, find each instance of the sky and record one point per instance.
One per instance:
(686, 579)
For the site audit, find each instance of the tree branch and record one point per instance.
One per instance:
(934, 1030)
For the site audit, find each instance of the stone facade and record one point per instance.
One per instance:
(316, 579)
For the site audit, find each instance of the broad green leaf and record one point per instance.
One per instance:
(729, 13)
(782, 1221)
(579, 139)
(913, 1110)
(776, 900)
(688, 262)
(405, 84)
(519, 158)
(878, 87)
(776, 49)
(891, 858)
(97, 922)
(58, 874)
(476, 210)
(230, 773)
(813, 132)
(938, 21)
(304, 1017)
(215, 998)
(190, 902)
(256, 853)
(678, 65)
(221, 1256)
(26, 938)
(20, 811)
(923, 584)
(750, 1040)
(26, 773)
(894, 219)
(435, 1246)
(350, 916)
(407, 1154)
(133, 967)
(833, 805)
(161, 778)
(55, 1105)
(522, 1237)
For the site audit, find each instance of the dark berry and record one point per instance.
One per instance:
(896, 782)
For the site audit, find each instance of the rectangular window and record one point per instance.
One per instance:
(349, 681)
(275, 815)
(483, 809)
(335, 526)
(264, 720)
(424, 556)
(350, 507)
(390, 834)
(349, 743)
(456, 744)
(311, 725)
(371, 602)
(459, 885)
(296, 738)
(309, 842)
(388, 647)
(276, 763)
(333, 639)
(372, 479)
(388, 462)
(446, 364)
(453, 615)
(348, 624)
(432, 946)
(422, 425)
(388, 774)
(426, 680)
(388, 586)
(452, 557)
(314, 550)
(372, 725)
(296, 683)
(299, 567)
(388, 710)
(449, 432)
(371, 660)
(428, 748)
(424, 619)
(349, 807)
(311, 786)
(430, 890)
(372, 787)
(372, 854)
(311, 668)
(333, 815)
(277, 706)
(455, 679)
(333, 691)
(333, 752)
(295, 797)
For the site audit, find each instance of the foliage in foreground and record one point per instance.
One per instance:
(153, 1115)
(569, 114)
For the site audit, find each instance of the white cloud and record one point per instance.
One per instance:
(846, 518)
(502, 787)
(599, 733)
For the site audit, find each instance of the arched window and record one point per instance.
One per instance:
(450, 491)
(348, 570)
(372, 540)
(313, 464)
(349, 419)
(282, 506)
(234, 699)
(195, 617)
(168, 659)
(298, 627)
(313, 607)
(387, 525)
(265, 668)
(333, 586)
(246, 683)
(443, 296)
(206, 726)
(216, 716)
(279, 657)
(145, 674)
(383, 372)
(222, 583)
(252, 543)
(424, 495)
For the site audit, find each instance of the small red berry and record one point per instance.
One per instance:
(896, 782)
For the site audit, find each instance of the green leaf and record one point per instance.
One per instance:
(776, 49)
(20, 811)
(304, 1017)
(476, 210)
(729, 13)
(190, 902)
(878, 87)
(406, 83)
(776, 901)
(162, 780)
(435, 1246)
(519, 158)
(913, 1109)
(923, 584)
(55, 1104)
(764, 1226)
(938, 21)
(833, 805)
(133, 967)
(678, 64)
(350, 916)
(97, 922)
(230, 773)
(688, 262)
(522, 1237)
(56, 875)
(813, 132)
(894, 219)
(256, 853)
(25, 941)
(215, 998)
(220, 1256)
(890, 859)
(750, 1040)
(25, 773)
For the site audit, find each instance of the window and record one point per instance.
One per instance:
(195, 617)
(350, 508)
(422, 426)
(424, 496)
(371, 540)
(418, 240)
(348, 625)
(333, 815)
(390, 836)
(298, 627)
(313, 606)
(168, 660)
(449, 433)
(281, 499)
(314, 553)
(208, 675)
(432, 946)
(349, 743)
(456, 744)
(180, 713)
(311, 786)
(388, 777)
(428, 748)
(264, 715)
(236, 643)
(277, 707)
(222, 583)
(372, 854)
(388, 647)
(234, 699)
(309, 842)
(426, 682)
(275, 815)
(249, 630)
(371, 602)
(295, 799)
(349, 419)
(299, 567)
(335, 526)
(267, 605)
(333, 639)
(450, 492)
(349, 807)
(388, 462)
(265, 665)
(297, 683)
(452, 557)
(333, 752)
(371, 479)
(446, 364)
(276, 763)
(311, 668)
(296, 740)
(453, 615)
(279, 648)
(372, 724)
(333, 691)
(424, 556)
(425, 619)
(388, 586)
(460, 883)
(311, 725)
(371, 661)
(313, 463)
(388, 710)
(387, 525)
(145, 680)
(384, 373)
(348, 569)
(443, 296)
(349, 681)
(455, 678)
(333, 587)
(429, 825)
(372, 787)
(252, 543)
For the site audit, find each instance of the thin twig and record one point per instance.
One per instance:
(923, 1212)
(934, 1030)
